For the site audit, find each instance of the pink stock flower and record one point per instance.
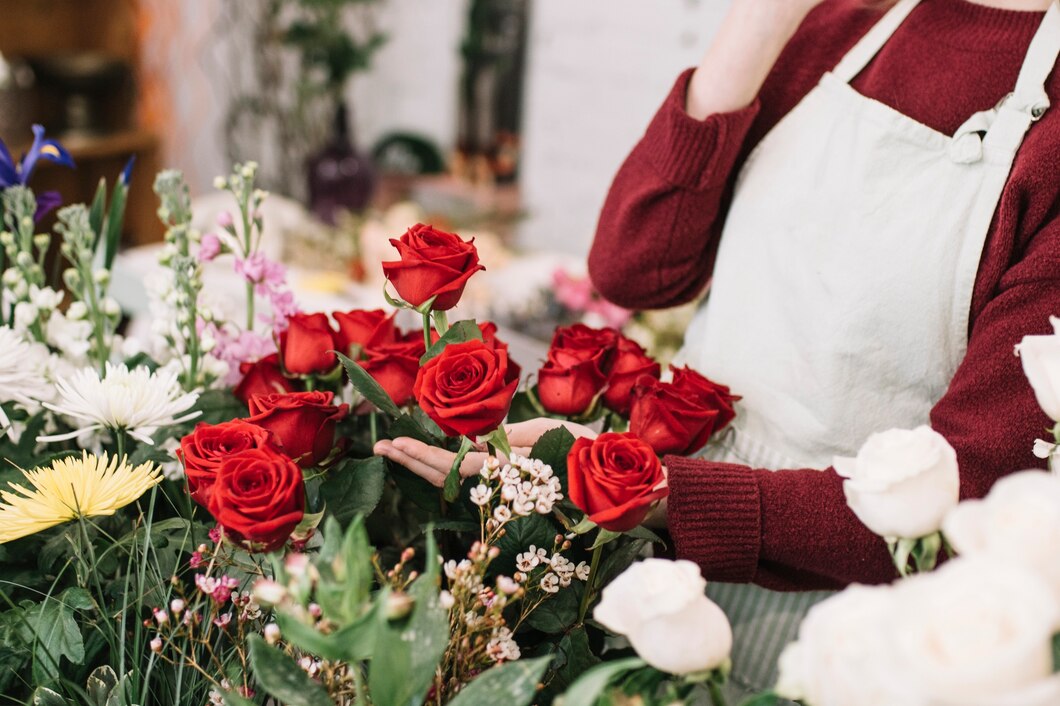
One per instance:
(224, 219)
(209, 248)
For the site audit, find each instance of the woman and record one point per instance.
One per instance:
(872, 194)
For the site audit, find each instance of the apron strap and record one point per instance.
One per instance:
(1029, 100)
(870, 44)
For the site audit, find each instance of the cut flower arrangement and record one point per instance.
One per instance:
(199, 518)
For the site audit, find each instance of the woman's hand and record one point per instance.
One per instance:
(433, 463)
(743, 52)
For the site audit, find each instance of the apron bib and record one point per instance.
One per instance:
(840, 299)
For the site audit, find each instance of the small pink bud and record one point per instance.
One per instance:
(156, 645)
(272, 633)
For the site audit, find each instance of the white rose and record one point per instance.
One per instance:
(1041, 364)
(842, 655)
(977, 632)
(902, 482)
(1019, 519)
(661, 608)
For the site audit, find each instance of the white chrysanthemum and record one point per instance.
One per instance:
(136, 401)
(22, 379)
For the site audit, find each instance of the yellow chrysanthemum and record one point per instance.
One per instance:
(71, 487)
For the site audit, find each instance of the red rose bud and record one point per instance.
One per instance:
(203, 451)
(467, 389)
(307, 344)
(364, 328)
(262, 378)
(615, 479)
(570, 380)
(433, 264)
(630, 363)
(258, 498)
(584, 338)
(489, 337)
(679, 417)
(395, 365)
(304, 423)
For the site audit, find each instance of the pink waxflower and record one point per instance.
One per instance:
(219, 589)
(209, 248)
(222, 621)
(215, 534)
(224, 219)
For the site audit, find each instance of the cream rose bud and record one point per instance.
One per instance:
(1019, 519)
(1041, 364)
(842, 655)
(902, 482)
(977, 632)
(661, 607)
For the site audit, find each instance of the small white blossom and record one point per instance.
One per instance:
(446, 600)
(502, 514)
(481, 494)
(582, 571)
(550, 583)
(502, 647)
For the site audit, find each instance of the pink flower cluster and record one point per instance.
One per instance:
(578, 295)
(219, 589)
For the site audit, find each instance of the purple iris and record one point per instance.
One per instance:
(12, 173)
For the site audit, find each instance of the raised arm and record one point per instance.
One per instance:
(658, 230)
(792, 530)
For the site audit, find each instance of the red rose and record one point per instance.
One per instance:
(395, 365)
(680, 417)
(615, 479)
(433, 264)
(304, 422)
(307, 344)
(630, 363)
(364, 329)
(203, 451)
(262, 378)
(467, 389)
(579, 362)
(258, 498)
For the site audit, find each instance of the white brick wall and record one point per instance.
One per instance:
(598, 71)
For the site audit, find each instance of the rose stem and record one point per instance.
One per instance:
(427, 330)
(373, 424)
(715, 693)
(587, 596)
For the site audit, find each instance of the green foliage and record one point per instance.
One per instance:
(282, 678)
(573, 658)
(408, 650)
(559, 612)
(367, 386)
(590, 686)
(512, 684)
(218, 406)
(552, 448)
(52, 633)
(460, 332)
(354, 488)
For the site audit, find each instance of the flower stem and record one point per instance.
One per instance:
(716, 697)
(250, 306)
(120, 440)
(441, 322)
(373, 425)
(427, 330)
(587, 596)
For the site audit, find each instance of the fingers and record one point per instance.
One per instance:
(430, 462)
(430, 474)
(527, 433)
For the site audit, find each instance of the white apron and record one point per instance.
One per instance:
(840, 299)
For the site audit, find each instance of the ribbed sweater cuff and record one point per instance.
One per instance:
(690, 153)
(714, 517)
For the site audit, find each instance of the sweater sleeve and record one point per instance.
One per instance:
(659, 227)
(792, 529)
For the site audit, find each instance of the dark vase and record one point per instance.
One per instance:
(340, 177)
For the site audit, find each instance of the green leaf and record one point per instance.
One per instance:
(451, 489)
(460, 332)
(410, 426)
(408, 651)
(559, 612)
(347, 576)
(100, 683)
(605, 536)
(618, 559)
(282, 678)
(499, 439)
(590, 685)
(766, 699)
(354, 488)
(115, 220)
(219, 406)
(511, 684)
(521, 533)
(44, 696)
(351, 643)
(51, 629)
(641, 532)
(552, 448)
(367, 386)
(234, 699)
(95, 213)
(573, 658)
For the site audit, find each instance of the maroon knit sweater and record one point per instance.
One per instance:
(659, 231)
